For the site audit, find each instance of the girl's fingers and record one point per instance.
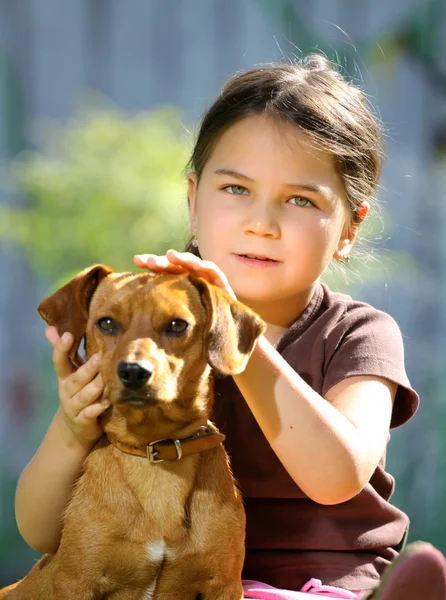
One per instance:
(89, 394)
(172, 262)
(158, 264)
(182, 262)
(80, 378)
(140, 260)
(194, 263)
(162, 263)
(52, 335)
(92, 411)
(61, 353)
(202, 268)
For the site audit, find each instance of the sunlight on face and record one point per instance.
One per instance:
(270, 211)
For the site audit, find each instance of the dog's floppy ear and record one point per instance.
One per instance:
(67, 308)
(233, 329)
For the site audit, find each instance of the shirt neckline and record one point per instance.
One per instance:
(303, 320)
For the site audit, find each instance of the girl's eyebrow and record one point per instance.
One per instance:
(233, 173)
(309, 187)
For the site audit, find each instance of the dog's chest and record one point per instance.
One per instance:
(163, 492)
(154, 497)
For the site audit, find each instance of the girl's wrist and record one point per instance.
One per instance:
(68, 436)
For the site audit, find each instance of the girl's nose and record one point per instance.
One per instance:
(262, 222)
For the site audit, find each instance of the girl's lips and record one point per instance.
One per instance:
(256, 262)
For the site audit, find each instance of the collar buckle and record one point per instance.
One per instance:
(152, 453)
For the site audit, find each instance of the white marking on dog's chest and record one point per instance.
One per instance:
(148, 594)
(157, 551)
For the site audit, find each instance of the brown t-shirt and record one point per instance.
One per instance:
(291, 538)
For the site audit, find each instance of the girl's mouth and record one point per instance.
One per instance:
(256, 261)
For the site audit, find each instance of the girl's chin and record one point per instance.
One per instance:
(250, 295)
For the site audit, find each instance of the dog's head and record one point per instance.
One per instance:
(158, 335)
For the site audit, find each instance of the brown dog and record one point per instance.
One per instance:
(155, 513)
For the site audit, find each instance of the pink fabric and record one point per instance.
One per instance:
(255, 590)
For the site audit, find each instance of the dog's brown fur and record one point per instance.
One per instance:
(134, 530)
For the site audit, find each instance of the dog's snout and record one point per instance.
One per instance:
(134, 374)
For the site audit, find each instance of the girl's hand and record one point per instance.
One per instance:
(79, 390)
(183, 262)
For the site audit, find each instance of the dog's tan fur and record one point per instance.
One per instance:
(134, 530)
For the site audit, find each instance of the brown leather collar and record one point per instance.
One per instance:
(203, 439)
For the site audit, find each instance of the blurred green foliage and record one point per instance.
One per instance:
(101, 188)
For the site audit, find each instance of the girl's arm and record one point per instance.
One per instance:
(330, 446)
(45, 485)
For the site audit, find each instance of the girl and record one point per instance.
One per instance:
(284, 168)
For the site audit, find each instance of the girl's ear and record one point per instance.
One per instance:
(192, 195)
(350, 232)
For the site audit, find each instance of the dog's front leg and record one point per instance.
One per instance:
(74, 588)
(37, 585)
(185, 578)
(215, 590)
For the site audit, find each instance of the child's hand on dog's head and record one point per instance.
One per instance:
(185, 262)
(80, 390)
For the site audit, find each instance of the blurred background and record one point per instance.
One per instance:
(99, 102)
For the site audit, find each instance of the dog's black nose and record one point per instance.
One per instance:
(134, 374)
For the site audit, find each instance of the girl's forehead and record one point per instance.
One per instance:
(260, 145)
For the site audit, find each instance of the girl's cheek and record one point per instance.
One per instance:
(217, 220)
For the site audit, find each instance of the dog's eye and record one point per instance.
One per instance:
(108, 325)
(176, 327)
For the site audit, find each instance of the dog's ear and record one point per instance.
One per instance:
(233, 329)
(67, 308)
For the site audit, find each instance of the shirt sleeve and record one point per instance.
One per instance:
(369, 342)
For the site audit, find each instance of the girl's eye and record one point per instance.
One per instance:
(300, 201)
(176, 327)
(236, 190)
(108, 326)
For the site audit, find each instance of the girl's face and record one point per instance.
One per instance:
(270, 211)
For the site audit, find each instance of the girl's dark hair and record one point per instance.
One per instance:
(315, 97)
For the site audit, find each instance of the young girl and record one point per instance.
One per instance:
(285, 165)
